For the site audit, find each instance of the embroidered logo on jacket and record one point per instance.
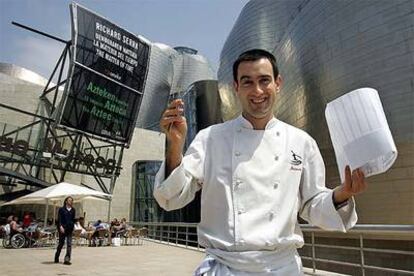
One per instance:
(297, 160)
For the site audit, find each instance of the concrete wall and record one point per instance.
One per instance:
(145, 145)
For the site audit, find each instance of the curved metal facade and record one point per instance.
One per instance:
(22, 74)
(157, 87)
(171, 71)
(20, 88)
(325, 49)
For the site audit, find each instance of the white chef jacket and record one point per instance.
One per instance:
(254, 183)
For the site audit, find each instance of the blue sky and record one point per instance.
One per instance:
(200, 24)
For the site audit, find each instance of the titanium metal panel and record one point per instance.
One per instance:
(208, 104)
(158, 86)
(325, 49)
(171, 72)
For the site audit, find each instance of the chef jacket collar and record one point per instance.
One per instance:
(244, 123)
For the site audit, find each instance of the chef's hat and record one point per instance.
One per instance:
(360, 133)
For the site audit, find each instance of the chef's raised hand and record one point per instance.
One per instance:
(174, 125)
(354, 184)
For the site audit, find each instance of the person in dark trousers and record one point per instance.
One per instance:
(65, 225)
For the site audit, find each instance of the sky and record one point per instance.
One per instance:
(200, 24)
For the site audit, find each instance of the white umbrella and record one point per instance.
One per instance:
(58, 192)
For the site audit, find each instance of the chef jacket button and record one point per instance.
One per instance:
(277, 133)
(276, 157)
(237, 153)
(241, 211)
(276, 185)
(271, 215)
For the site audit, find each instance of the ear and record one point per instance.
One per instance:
(236, 87)
(278, 82)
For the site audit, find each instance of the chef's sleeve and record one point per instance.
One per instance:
(317, 206)
(179, 188)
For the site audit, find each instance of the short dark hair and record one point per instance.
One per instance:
(253, 55)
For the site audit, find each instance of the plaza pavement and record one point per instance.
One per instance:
(149, 259)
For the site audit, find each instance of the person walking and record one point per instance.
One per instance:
(65, 225)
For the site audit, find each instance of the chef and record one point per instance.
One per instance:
(256, 174)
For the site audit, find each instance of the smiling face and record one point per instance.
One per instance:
(256, 88)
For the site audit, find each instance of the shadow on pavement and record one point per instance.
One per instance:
(48, 263)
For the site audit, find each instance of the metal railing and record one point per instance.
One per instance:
(172, 233)
(362, 233)
(185, 235)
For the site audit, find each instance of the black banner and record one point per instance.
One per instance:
(108, 77)
(100, 106)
